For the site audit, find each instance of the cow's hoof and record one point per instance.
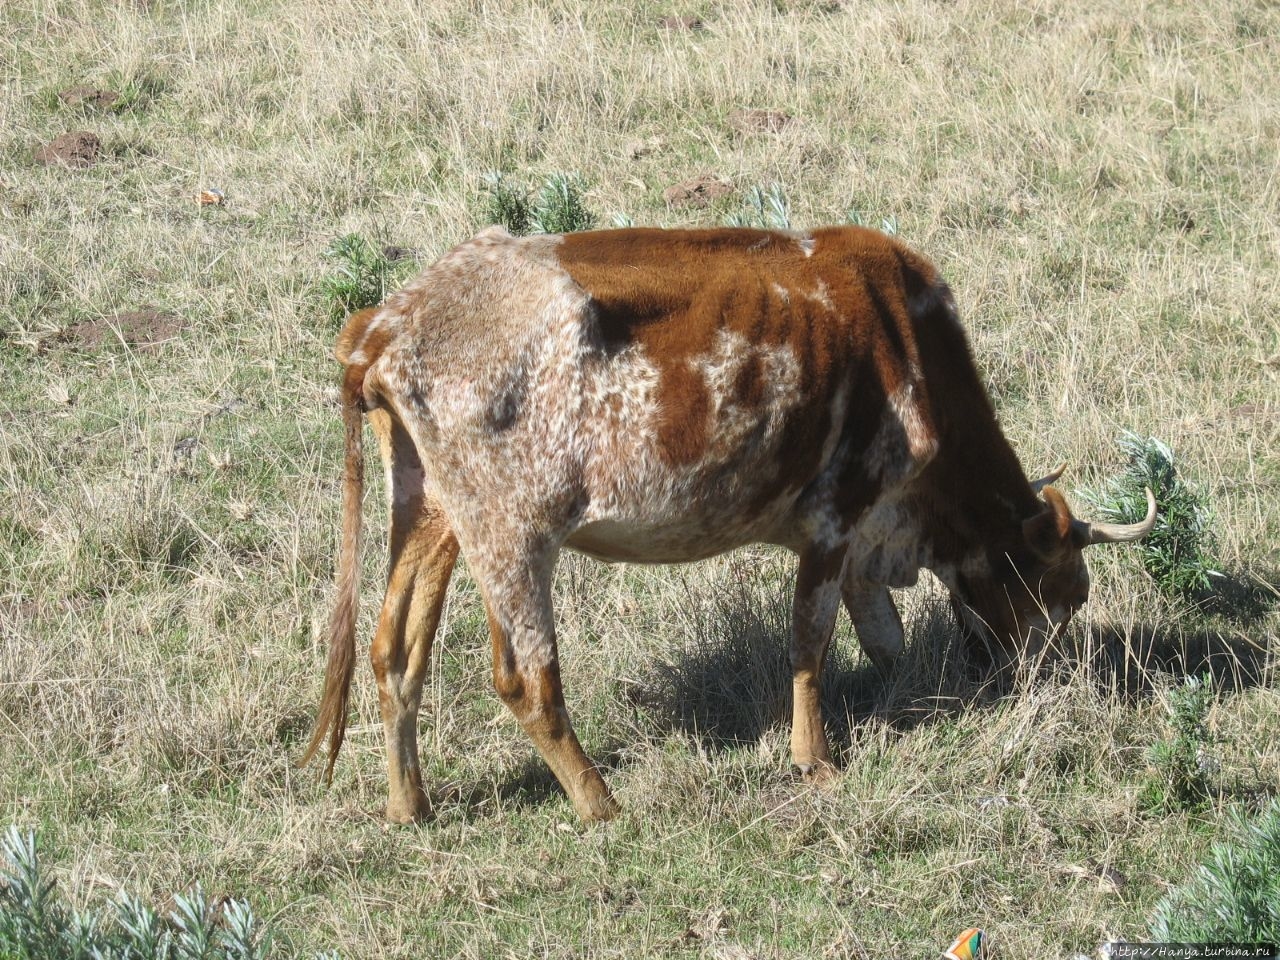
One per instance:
(412, 807)
(819, 773)
(597, 807)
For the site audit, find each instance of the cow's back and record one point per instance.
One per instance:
(677, 392)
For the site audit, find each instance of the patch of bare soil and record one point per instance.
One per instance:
(78, 149)
(84, 95)
(635, 149)
(141, 329)
(760, 121)
(697, 192)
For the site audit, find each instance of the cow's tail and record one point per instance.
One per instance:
(358, 347)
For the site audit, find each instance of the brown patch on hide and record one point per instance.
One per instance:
(835, 303)
(682, 422)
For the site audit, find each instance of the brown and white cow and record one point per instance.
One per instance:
(661, 396)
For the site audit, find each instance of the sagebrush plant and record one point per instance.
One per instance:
(1178, 552)
(1184, 763)
(506, 202)
(1234, 896)
(363, 275)
(888, 225)
(559, 206)
(765, 208)
(768, 208)
(35, 923)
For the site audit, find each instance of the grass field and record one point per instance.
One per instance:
(1101, 187)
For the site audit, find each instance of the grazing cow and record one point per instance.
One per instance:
(661, 396)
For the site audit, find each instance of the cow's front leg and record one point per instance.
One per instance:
(813, 616)
(526, 675)
(875, 618)
(423, 552)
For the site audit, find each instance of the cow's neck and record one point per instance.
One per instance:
(974, 495)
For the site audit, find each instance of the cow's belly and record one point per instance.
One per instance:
(617, 541)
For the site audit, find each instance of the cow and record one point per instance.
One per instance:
(663, 396)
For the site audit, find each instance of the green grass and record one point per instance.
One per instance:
(1097, 186)
(362, 276)
(1184, 762)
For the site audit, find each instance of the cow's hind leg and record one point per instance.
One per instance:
(813, 617)
(423, 553)
(526, 671)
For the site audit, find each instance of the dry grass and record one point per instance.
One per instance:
(1101, 189)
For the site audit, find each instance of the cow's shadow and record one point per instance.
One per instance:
(730, 683)
(730, 692)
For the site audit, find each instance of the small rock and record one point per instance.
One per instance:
(79, 149)
(1110, 880)
(760, 121)
(697, 192)
(396, 254)
(84, 95)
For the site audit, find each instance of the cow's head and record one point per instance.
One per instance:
(1026, 592)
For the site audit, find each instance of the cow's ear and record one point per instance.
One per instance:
(1049, 532)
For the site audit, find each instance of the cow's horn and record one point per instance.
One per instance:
(1120, 532)
(1052, 475)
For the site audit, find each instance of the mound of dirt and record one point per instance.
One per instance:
(760, 121)
(141, 329)
(78, 149)
(84, 95)
(698, 192)
(687, 22)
